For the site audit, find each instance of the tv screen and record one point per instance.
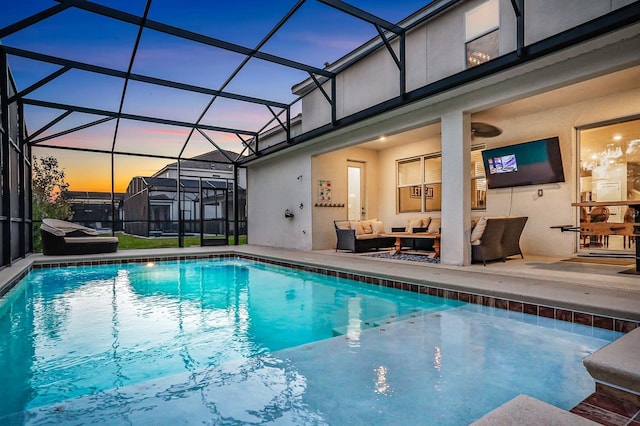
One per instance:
(529, 163)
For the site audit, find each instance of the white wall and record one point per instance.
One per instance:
(553, 208)
(274, 187)
(544, 18)
(372, 80)
(333, 167)
(277, 135)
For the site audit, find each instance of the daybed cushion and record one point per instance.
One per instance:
(61, 228)
(61, 238)
(90, 240)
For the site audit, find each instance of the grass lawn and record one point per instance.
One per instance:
(128, 242)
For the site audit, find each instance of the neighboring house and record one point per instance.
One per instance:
(213, 164)
(93, 209)
(478, 75)
(151, 203)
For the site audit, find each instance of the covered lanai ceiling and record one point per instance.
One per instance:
(176, 79)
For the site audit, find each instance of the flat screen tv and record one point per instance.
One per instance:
(528, 163)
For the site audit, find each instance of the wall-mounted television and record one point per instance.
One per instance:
(528, 163)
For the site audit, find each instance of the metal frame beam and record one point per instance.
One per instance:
(68, 131)
(247, 146)
(363, 15)
(33, 19)
(518, 9)
(40, 83)
(189, 35)
(5, 195)
(49, 125)
(133, 76)
(129, 154)
(379, 24)
(240, 66)
(22, 190)
(212, 142)
(134, 117)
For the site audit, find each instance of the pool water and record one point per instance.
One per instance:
(231, 341)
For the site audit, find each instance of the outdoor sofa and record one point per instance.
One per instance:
(361, 236)
(496, 238)
(60, 237)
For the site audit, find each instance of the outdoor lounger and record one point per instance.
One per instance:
(60, 237)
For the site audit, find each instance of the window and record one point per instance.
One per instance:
(478, 181)
(420, 183)
(481, 33)
(409, 185)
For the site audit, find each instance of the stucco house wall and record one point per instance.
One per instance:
(333, 167)
(544, 18)
(487, 100)
(437, 50)
(276, 186)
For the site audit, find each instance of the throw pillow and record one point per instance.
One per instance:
(343, 224)
(434, 225)
(377, 227)
(358, 227)
(366, 226)
(426, 221)
(414, 223)
(477, 232)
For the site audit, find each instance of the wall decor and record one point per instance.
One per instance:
(324, 191)
(428, 192)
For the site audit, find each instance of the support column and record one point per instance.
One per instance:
(180, 216)
(456, 188)
(5, 136)
(236, 201)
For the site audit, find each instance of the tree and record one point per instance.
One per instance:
(49, 187)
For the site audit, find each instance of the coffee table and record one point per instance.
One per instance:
(422, 235)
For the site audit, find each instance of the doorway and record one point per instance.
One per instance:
(609, 158)
(356, 200)
(214, 213)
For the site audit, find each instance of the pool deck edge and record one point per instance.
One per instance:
(611, 295)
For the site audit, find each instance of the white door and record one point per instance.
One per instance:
(356, 206)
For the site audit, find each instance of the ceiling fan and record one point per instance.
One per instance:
(484, 130)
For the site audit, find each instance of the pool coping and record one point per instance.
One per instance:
(503, 301)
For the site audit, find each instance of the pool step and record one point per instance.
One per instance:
(389, 319)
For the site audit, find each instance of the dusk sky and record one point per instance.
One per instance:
(314, 35)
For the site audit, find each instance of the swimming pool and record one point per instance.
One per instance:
(232, 341)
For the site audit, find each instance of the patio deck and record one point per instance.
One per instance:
(593, 288)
